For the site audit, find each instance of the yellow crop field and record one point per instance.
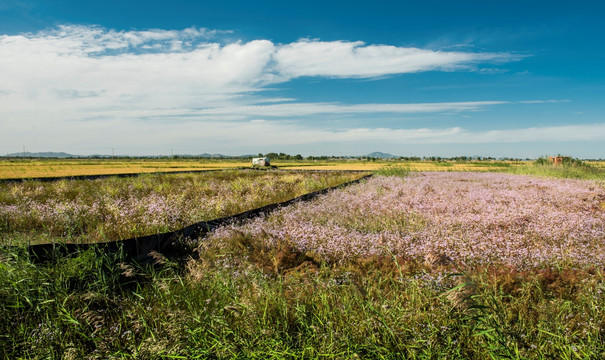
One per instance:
(73, 167)
(39, 168)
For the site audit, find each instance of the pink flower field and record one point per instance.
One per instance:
(473, 218)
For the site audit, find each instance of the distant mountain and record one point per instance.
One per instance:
(206, 155)
(381, 155)
(42, 155)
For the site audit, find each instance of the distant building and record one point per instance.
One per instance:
(556, 160)
(261, 161)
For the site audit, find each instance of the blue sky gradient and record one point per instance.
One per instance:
(443, 78)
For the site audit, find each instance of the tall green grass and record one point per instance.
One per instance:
(401, 171)
(570, 169)
(244, 300)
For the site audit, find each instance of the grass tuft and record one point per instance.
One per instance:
(400, 171)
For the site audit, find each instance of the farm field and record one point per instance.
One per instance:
(120, 208)
(25, 168)
(419, 265)
(39, 168)
(477, 219)
(35, 168)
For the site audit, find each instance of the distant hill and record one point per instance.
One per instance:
(206, 155)
(42, 155)
(381, 155)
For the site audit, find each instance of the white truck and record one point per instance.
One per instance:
(261, 162)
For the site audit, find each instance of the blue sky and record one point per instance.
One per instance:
(444, 78)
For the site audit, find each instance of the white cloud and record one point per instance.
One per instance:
(89, 86)
(58, 70)
(259, 134)
(278, 111)
(306, 109)
(354, 59)
(50, 81)
(233, 137)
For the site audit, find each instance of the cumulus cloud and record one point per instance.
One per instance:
(61, 70)
(180, 69)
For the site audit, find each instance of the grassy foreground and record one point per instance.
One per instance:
(246, 301)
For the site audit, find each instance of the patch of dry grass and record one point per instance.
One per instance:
(38, 168)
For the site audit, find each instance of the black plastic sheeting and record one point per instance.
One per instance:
(169, 243)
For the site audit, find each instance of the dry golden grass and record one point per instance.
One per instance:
(74, 167)
(598, 164)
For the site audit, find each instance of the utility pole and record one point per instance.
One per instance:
(23, 151)
(113, 152)
(172, 152)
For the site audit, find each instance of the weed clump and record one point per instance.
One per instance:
(400, 171)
